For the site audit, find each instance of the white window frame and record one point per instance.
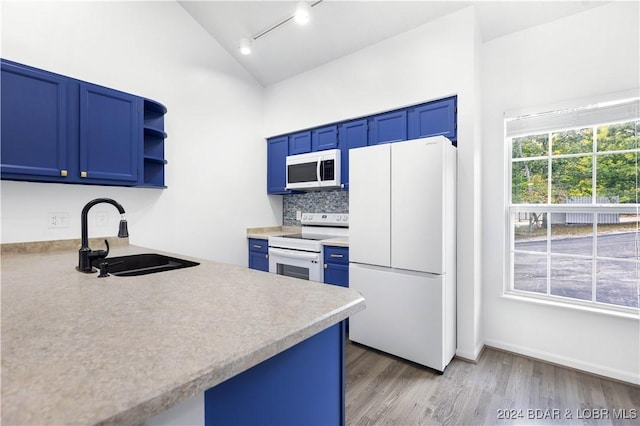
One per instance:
(531, 123)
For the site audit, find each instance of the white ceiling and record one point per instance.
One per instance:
(338, 27)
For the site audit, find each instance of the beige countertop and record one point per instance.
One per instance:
(276, 231)
(77, 349)
(272, 231)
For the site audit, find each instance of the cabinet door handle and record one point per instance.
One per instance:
(266, 256)
(63, 173)
(83, 174)
(257, 246)
(336, 255)
(326, 266)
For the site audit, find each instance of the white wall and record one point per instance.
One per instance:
(585, 55)
(216, 150)
(429, 62)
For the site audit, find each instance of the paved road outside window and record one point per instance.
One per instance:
(617, 279)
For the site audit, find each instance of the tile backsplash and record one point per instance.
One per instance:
(335, 201)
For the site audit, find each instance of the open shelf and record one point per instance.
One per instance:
(154, 137)
(152, 159)
(154, 132)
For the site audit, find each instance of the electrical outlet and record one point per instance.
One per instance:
(298, 215)
(58, 220)
(102, 219)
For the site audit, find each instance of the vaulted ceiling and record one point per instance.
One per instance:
(338, 28)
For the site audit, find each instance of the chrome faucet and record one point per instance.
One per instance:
(85, 254)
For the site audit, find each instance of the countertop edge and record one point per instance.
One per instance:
(211, 377)
(271, 231)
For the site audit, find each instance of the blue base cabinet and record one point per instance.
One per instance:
(336, 265)
(59, 129)
(336, 268)
(259, 254)
(304, 385)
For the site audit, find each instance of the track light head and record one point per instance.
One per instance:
(245, 46)
(303, 13)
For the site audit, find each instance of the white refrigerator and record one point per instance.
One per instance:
(402, 248)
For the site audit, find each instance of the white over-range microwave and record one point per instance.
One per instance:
(314, 170)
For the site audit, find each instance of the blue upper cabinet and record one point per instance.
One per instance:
(299, 143)
(388, 127)
(353, 134)
(277, 151)
(59, 129)
(434, 119)
(110, 134)
(324, 138)
(34, 123)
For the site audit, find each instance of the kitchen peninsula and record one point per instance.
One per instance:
(78, 349)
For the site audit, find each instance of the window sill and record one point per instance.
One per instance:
(618, 312)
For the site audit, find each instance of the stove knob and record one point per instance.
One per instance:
(304, 217)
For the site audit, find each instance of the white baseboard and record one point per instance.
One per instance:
(600, 370)
(470, 356)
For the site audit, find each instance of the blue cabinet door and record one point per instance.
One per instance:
(258, 261)
(336, 265)
(353, 134)
(34, 123)
(433, 119)
(324, 138)
(258, 254)
(110, 134)
(277, 151)
(388, 127)
(304, 385)
(337, 274)
(299, 143)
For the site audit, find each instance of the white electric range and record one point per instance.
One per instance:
(300, 255)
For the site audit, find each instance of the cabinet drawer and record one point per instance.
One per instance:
(258, 245)
(334, 254)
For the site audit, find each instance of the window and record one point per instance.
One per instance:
(574, 209)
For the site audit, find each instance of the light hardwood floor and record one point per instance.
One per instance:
(385, 390)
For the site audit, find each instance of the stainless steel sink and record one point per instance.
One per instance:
(140, 264)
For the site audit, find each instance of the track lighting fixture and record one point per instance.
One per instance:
(302, 15)
(245, 46)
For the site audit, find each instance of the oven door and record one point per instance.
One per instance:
(294, 263)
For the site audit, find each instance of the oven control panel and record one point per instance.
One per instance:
(325, 219)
